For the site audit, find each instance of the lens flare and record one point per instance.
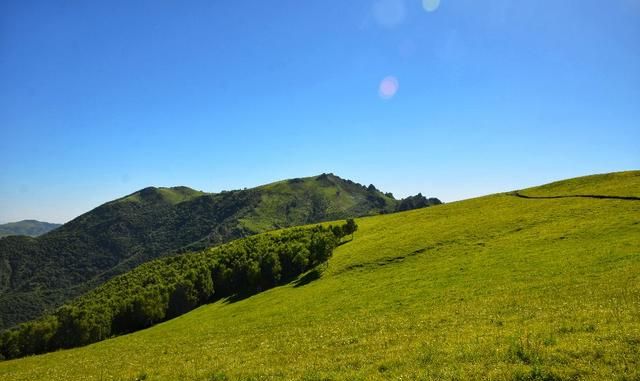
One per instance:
(388, 87)
(430, 5)
(389, 13)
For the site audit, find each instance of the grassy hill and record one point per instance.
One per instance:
(499, 287)
(41, 273)
(30, 228)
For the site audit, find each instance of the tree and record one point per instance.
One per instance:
(337, 231)
(321, 247)
(184, 298)
(416, 202)
(203, 284)
(271, 270)
(350, 227)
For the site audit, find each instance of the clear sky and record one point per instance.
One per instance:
(453, 99)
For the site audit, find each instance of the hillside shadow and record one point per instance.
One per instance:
(238, 297)
(309, 277)
(305, 279)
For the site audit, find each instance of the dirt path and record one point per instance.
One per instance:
(629, 198)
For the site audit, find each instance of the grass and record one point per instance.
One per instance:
(625, 184)
(173, 196)
(495, 288)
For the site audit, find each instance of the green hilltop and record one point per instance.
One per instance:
(171, 196)
(39, 274)
(500, 287)
(31, 228)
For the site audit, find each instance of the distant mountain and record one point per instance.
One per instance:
(31, 228)
(41, 273)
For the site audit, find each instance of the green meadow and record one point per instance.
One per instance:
(492, 288)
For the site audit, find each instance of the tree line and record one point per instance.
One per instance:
(168, 287)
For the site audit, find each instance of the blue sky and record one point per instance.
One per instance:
(101, 98)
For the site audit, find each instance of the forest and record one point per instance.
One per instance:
(171, 286)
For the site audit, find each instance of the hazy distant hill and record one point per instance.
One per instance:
(31, 228)
(40, 273)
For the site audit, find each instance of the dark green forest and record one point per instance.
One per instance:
(170, 286)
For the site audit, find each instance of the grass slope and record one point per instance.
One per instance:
(496, 288)
(620, 184)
